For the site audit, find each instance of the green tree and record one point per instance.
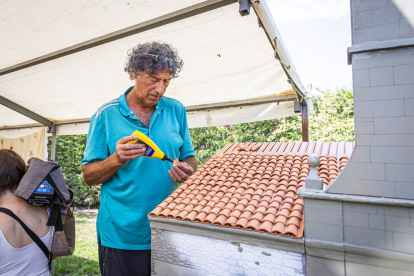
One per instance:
(332, 121)
(69, 154)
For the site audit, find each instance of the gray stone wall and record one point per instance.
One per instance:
(383, 161)
(346, 238)
(380, 20)
(182, 254)
(363, 224)
(367, 225)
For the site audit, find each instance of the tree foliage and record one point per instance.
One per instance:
(69, 154)
(331, 121)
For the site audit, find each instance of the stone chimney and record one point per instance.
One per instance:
(363, 224)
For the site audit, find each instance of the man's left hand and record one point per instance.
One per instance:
(181, 172)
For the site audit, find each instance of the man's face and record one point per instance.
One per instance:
(151, 88)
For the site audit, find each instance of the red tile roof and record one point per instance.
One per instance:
(253, 186)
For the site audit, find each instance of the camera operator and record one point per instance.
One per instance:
(19, 255)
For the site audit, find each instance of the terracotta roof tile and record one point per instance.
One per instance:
(253, 186)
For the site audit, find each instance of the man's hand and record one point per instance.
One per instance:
(125, 151)
(101, 171)
(181, 172)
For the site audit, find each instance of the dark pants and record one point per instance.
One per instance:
(114, 262)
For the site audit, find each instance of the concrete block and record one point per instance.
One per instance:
(337, 255)
(356, 219)
(364, 127)
(361, 20)
(389, 154)
(411, 211)
(364, 171)
(386, 15)
(394, 125)
(361, 5)
(383, 58)
(409, 107)
(376, 221)
(376, 33)
(323, 216)
(404, 74)
(382, 271)
(316, 272)
(354, 269)
(323, 204)
(360, 207)
(381, 76)
(337, 187)
(380, 210)
(370, 188)
(383, 108)
(362, 154)
(384, 92)
(403, 242)
(398, 224)
(323, 265)
(406, 28)
(363, 119)
(364, 237)
(316, 184)
(389, 244)
(385, 140)
(400, 172)
(325, 232)
(380, 262)
(361, 78)
(397, 211)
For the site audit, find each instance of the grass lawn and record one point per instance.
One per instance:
(85, 259)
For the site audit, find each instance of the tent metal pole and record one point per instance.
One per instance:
(193, 10)
(26, 112)
(305, 129)
(267, 23)
(193, 108)
(275, 99)
(53, 147)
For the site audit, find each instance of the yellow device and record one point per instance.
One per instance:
(151, 149)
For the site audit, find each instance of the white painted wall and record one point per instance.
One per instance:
(190, 255)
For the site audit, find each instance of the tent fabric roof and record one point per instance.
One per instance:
(253, 186)
(63, 60)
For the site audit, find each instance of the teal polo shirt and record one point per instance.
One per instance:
(143, 183)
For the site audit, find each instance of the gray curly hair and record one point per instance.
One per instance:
(142, 58)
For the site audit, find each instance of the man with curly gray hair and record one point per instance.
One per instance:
(132, 186)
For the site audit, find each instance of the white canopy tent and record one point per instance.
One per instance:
(61, 60)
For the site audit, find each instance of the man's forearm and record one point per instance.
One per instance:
(192, 161)
(100, 171)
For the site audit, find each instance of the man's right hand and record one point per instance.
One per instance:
(125, 151)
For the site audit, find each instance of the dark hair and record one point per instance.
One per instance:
(142, 58)
(12, 169)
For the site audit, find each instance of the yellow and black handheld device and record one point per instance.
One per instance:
(151, 149)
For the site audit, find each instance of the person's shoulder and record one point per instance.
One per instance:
(108, 106)
(5, 221)
(173, 102)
